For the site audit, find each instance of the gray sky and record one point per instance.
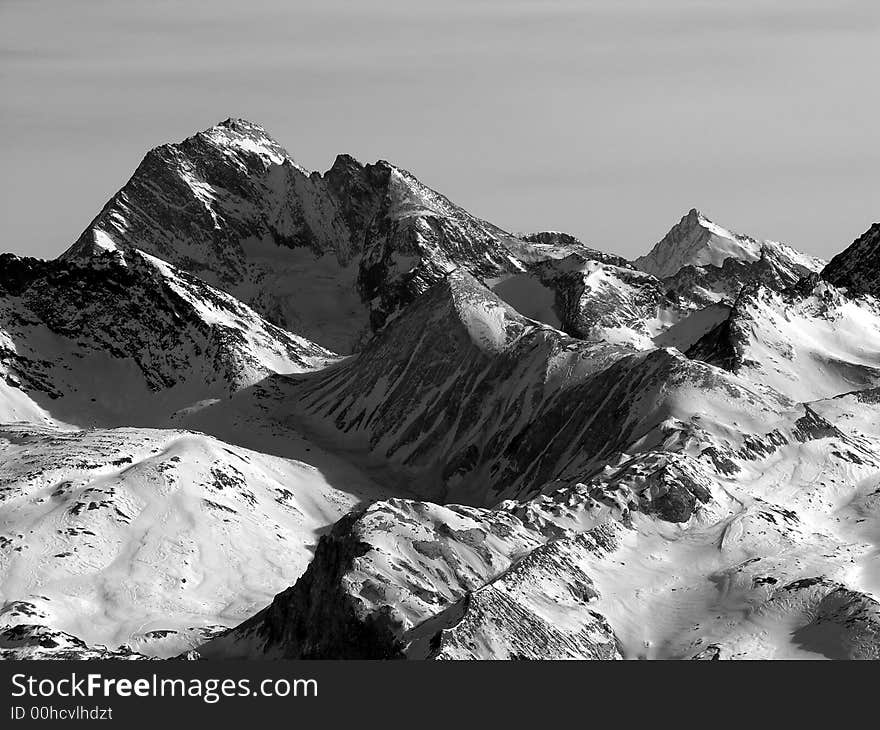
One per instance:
(607, 119)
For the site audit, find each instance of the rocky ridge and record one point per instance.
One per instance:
(536, 450)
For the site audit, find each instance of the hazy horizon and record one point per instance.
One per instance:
(608, 120)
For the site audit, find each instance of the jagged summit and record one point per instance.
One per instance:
(334, 256)
(543, 451)
(699, 242)
(858, 267)
(328, 256)
(190, 174)
(246, 136)
(706, 264)
(696, 241)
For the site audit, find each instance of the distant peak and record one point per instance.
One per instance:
(345, 162)
(346, 159)
(695, 217)
(238, 124)
(696, 241)
(548, 237)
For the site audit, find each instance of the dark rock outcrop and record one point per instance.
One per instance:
(858, 267)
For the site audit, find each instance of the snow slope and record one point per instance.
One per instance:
(602, 301)
(808, 344)
(536, 451)
(128, 340)
(462, 399)
(606, 568)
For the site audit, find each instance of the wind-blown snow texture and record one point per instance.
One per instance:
(527, 448)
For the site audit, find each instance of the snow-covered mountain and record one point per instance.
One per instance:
(696, 241)
(534, 450)
(127, 339)
(774, 564)
(601, 300)
(670, 297)
(412, 579)
(468, 401)
(328, 256)
(149, 538)
(130, 537)
(810, 343)
(705, 263)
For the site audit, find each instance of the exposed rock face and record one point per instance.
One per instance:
(548, 245)
(128, 339)
(703, 263)
(829, 619)
(330, 256)
(724, 345)
(600, 301)
(473, 403)
(518, 461)
(413, 580)
(319, 599)
(857, 266)
(809, 341)
(35, 641)
(665, 485)
(537, 609)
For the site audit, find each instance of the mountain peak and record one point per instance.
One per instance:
(858, 267)
(228, 204)
(241, 135)
(696, 241)
(694, 216)
(239, 124)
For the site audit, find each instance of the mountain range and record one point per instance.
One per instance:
(259, 412)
